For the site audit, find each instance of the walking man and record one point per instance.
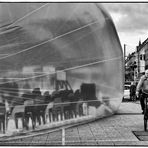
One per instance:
(133, 91)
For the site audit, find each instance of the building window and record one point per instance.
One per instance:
(146, 67)
(142, 57)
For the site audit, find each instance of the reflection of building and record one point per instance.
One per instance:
(39, 76)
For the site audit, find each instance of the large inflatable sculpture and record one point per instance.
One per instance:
(58, 61)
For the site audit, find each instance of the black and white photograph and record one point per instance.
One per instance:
(73, 73)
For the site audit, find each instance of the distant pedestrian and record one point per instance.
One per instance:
(133, 91)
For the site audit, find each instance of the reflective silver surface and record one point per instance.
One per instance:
(76, 40)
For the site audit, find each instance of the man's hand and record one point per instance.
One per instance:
(137, 94)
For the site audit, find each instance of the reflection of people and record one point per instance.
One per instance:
(2, 114)
(26, 86)
(13, 94)
(133, 91)
(47, 97)
(6, 89)
(15, 88)
(4, 86)
(143, 87)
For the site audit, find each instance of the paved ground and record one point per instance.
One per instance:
(115, 130)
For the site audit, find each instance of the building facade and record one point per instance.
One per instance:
(137, 62)
(129, 70)
(146, 54)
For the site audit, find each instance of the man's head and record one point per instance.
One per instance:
(146, 73)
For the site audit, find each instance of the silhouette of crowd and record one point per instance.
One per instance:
(42, 107)
(59, 105)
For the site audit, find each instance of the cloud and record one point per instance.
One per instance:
(133, 16)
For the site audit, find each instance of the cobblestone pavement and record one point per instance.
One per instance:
(115, 130)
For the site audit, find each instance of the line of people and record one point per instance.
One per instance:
(65, 102)
(39, 107)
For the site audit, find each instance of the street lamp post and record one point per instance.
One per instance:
(124, 51)
(138, 61)
(124, 60)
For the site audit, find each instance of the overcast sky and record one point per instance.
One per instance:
(131, 21)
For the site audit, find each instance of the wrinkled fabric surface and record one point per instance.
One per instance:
(77, 38)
